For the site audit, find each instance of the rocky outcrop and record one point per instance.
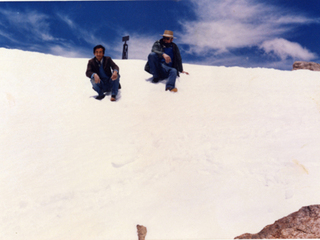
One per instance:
(306, 65)
(302, 224)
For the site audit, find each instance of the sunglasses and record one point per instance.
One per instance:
(167, 38)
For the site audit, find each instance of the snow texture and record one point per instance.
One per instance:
(233, 150)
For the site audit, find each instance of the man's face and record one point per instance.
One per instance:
(167, 40)
(99, 53)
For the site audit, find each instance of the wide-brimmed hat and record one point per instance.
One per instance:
(168, 33)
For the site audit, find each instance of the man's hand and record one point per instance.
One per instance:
(114, 75)
(96, 78)
(185, 72)
(167, 58)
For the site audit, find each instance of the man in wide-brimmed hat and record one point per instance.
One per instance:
(165, 61)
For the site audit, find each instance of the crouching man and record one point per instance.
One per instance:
(103, 73)
(165, 61)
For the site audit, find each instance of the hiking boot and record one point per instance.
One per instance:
(172, 89)
(113, 98)
(155, 80)
(100, 97)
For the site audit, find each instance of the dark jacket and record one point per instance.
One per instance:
(108, 64)
(177, 60)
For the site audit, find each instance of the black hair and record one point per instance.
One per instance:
(98, 46)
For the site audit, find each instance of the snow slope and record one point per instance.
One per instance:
(234, 150)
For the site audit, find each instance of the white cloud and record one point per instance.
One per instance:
(221, 35)
(8, 36)
(67, 20)
(88, 36)
(291, 19)
(285, 49)
(223, 25)
(32, 22)
(66, 51)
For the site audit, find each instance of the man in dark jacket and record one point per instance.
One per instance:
(165, 61)
(100, 74)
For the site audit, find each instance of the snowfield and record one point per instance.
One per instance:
(232, 151)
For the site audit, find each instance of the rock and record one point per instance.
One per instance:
(304, 223)
(306, 65)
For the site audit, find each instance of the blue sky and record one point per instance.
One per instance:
(245, 33)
